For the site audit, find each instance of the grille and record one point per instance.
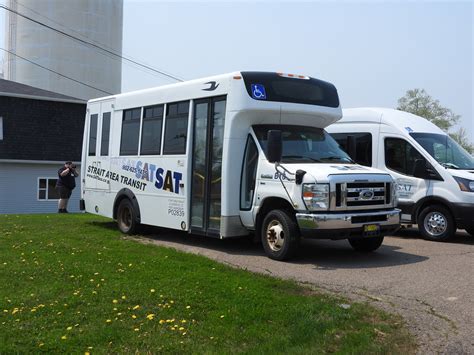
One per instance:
(363, 194)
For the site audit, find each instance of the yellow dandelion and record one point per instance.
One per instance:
(181, 328)
(150, 316)
(222, 316)
(63, 337)
(162, 321)
(94, 292)
(188, 307)
(114, 301)
(130, 264)
(108, 321)
(136, 307)
(152, 290)
(87, 353)
(136, 329)
(41, 344)
(183, 321)
(134, 316)
(68, 328)
(124, 297)
(184, 333)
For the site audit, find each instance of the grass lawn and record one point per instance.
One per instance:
(72, 284)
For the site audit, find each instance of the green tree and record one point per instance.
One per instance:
(418, 102)
(460, 136)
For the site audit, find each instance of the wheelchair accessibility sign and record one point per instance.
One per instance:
(258, 92)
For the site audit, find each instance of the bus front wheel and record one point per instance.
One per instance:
(280, 235)
(127, 217)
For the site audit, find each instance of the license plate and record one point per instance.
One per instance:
(371, 230)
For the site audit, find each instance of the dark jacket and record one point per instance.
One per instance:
(68, 181)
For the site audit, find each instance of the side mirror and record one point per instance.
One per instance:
(419, 169)
(274, 146)
(424, 170)
(351, 147)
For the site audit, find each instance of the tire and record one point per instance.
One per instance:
(280, 235)
(366, 245)
(127, 217)
(436, 223)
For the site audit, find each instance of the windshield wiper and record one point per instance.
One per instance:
(300, 157)
(450, 166)
(349, 160)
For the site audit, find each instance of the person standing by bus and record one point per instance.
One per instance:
(65, 184)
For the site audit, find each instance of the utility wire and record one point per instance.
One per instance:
(55, 72)
(92, 44)
(84, 36)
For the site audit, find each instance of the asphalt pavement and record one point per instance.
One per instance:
(430, 284)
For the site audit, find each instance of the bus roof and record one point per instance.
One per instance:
(404, 122)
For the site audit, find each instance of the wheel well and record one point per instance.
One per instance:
(272, 203)
(126, 194)
(432, 201)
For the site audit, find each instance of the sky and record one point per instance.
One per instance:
(372, 51)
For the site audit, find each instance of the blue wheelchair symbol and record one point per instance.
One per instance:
(258, 92)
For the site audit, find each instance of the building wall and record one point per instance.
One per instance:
(98, 22)
(19, 188)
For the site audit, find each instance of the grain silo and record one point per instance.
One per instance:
(97, 22)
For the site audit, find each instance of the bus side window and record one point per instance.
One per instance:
(104, 143)
(130, 131)
(176, 128)
(151, 130)
(93, 134)
(363, 143)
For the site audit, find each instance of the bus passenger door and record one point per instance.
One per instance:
(103, 145)
(209, 115)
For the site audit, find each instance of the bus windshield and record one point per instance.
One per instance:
(302, 144)
(445, 150)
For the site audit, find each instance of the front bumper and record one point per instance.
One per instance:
(346, 225)
(463, 213)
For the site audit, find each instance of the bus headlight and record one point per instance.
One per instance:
(464, 184)
(316, 196)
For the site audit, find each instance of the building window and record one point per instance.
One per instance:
(47, 189)
(1, 128)
(93, 135)
(104, 144)
(176, 128)
(130, 131)
(151, 130)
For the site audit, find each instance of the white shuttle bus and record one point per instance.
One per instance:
(233, 155)
(435, 176)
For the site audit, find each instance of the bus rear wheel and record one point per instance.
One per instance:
(436, 223)
(280, 235)
(127, 217)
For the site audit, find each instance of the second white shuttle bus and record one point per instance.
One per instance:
(229, 155)
(435, 175)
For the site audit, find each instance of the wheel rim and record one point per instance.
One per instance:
(435, 224)
(125, 218)
(275, 235)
